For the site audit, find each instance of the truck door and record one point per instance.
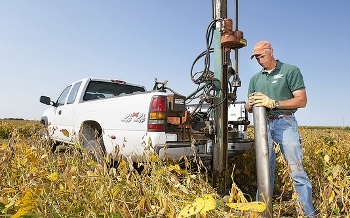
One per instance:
(67, 114)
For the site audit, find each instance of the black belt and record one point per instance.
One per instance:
(277, 116)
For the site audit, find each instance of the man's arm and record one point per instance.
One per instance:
(299, 100)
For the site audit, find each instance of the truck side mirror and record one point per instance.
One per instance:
(45, 100)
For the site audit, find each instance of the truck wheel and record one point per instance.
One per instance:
(45, 138)
(93, 143)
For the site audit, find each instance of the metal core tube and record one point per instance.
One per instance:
(262, 159)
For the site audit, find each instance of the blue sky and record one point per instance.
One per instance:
(46, 45)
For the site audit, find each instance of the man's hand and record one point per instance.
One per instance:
(261, 100)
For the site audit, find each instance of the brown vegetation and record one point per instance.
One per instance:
(38, 183)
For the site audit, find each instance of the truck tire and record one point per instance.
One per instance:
(93, 143)
(45, 138)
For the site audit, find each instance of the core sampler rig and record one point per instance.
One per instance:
(221, 39)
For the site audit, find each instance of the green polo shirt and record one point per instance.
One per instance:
(279, 84)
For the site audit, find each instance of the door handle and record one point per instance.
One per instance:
(59, 112)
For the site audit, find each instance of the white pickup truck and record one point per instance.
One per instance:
(120, 118)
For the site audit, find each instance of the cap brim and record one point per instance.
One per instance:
(253, 55)
(257, 53)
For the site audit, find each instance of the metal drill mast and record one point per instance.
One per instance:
(225, 40)
(220, 117)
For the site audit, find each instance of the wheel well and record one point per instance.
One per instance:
(94, 125)
(44, 121)
(88, 132)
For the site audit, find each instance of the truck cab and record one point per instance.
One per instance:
(124, 119)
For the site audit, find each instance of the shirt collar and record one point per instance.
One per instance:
(277, 68)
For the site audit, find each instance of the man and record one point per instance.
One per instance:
(280, 88)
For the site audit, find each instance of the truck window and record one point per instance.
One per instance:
(73, 93)
(99, 89)
(63, 96)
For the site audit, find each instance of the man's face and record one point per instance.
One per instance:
(265, 59)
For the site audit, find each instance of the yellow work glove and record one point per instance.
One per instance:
(261, 100)
(251, 100)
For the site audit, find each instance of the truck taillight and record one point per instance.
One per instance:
(157, 114)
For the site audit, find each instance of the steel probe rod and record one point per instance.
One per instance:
(262, 159)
